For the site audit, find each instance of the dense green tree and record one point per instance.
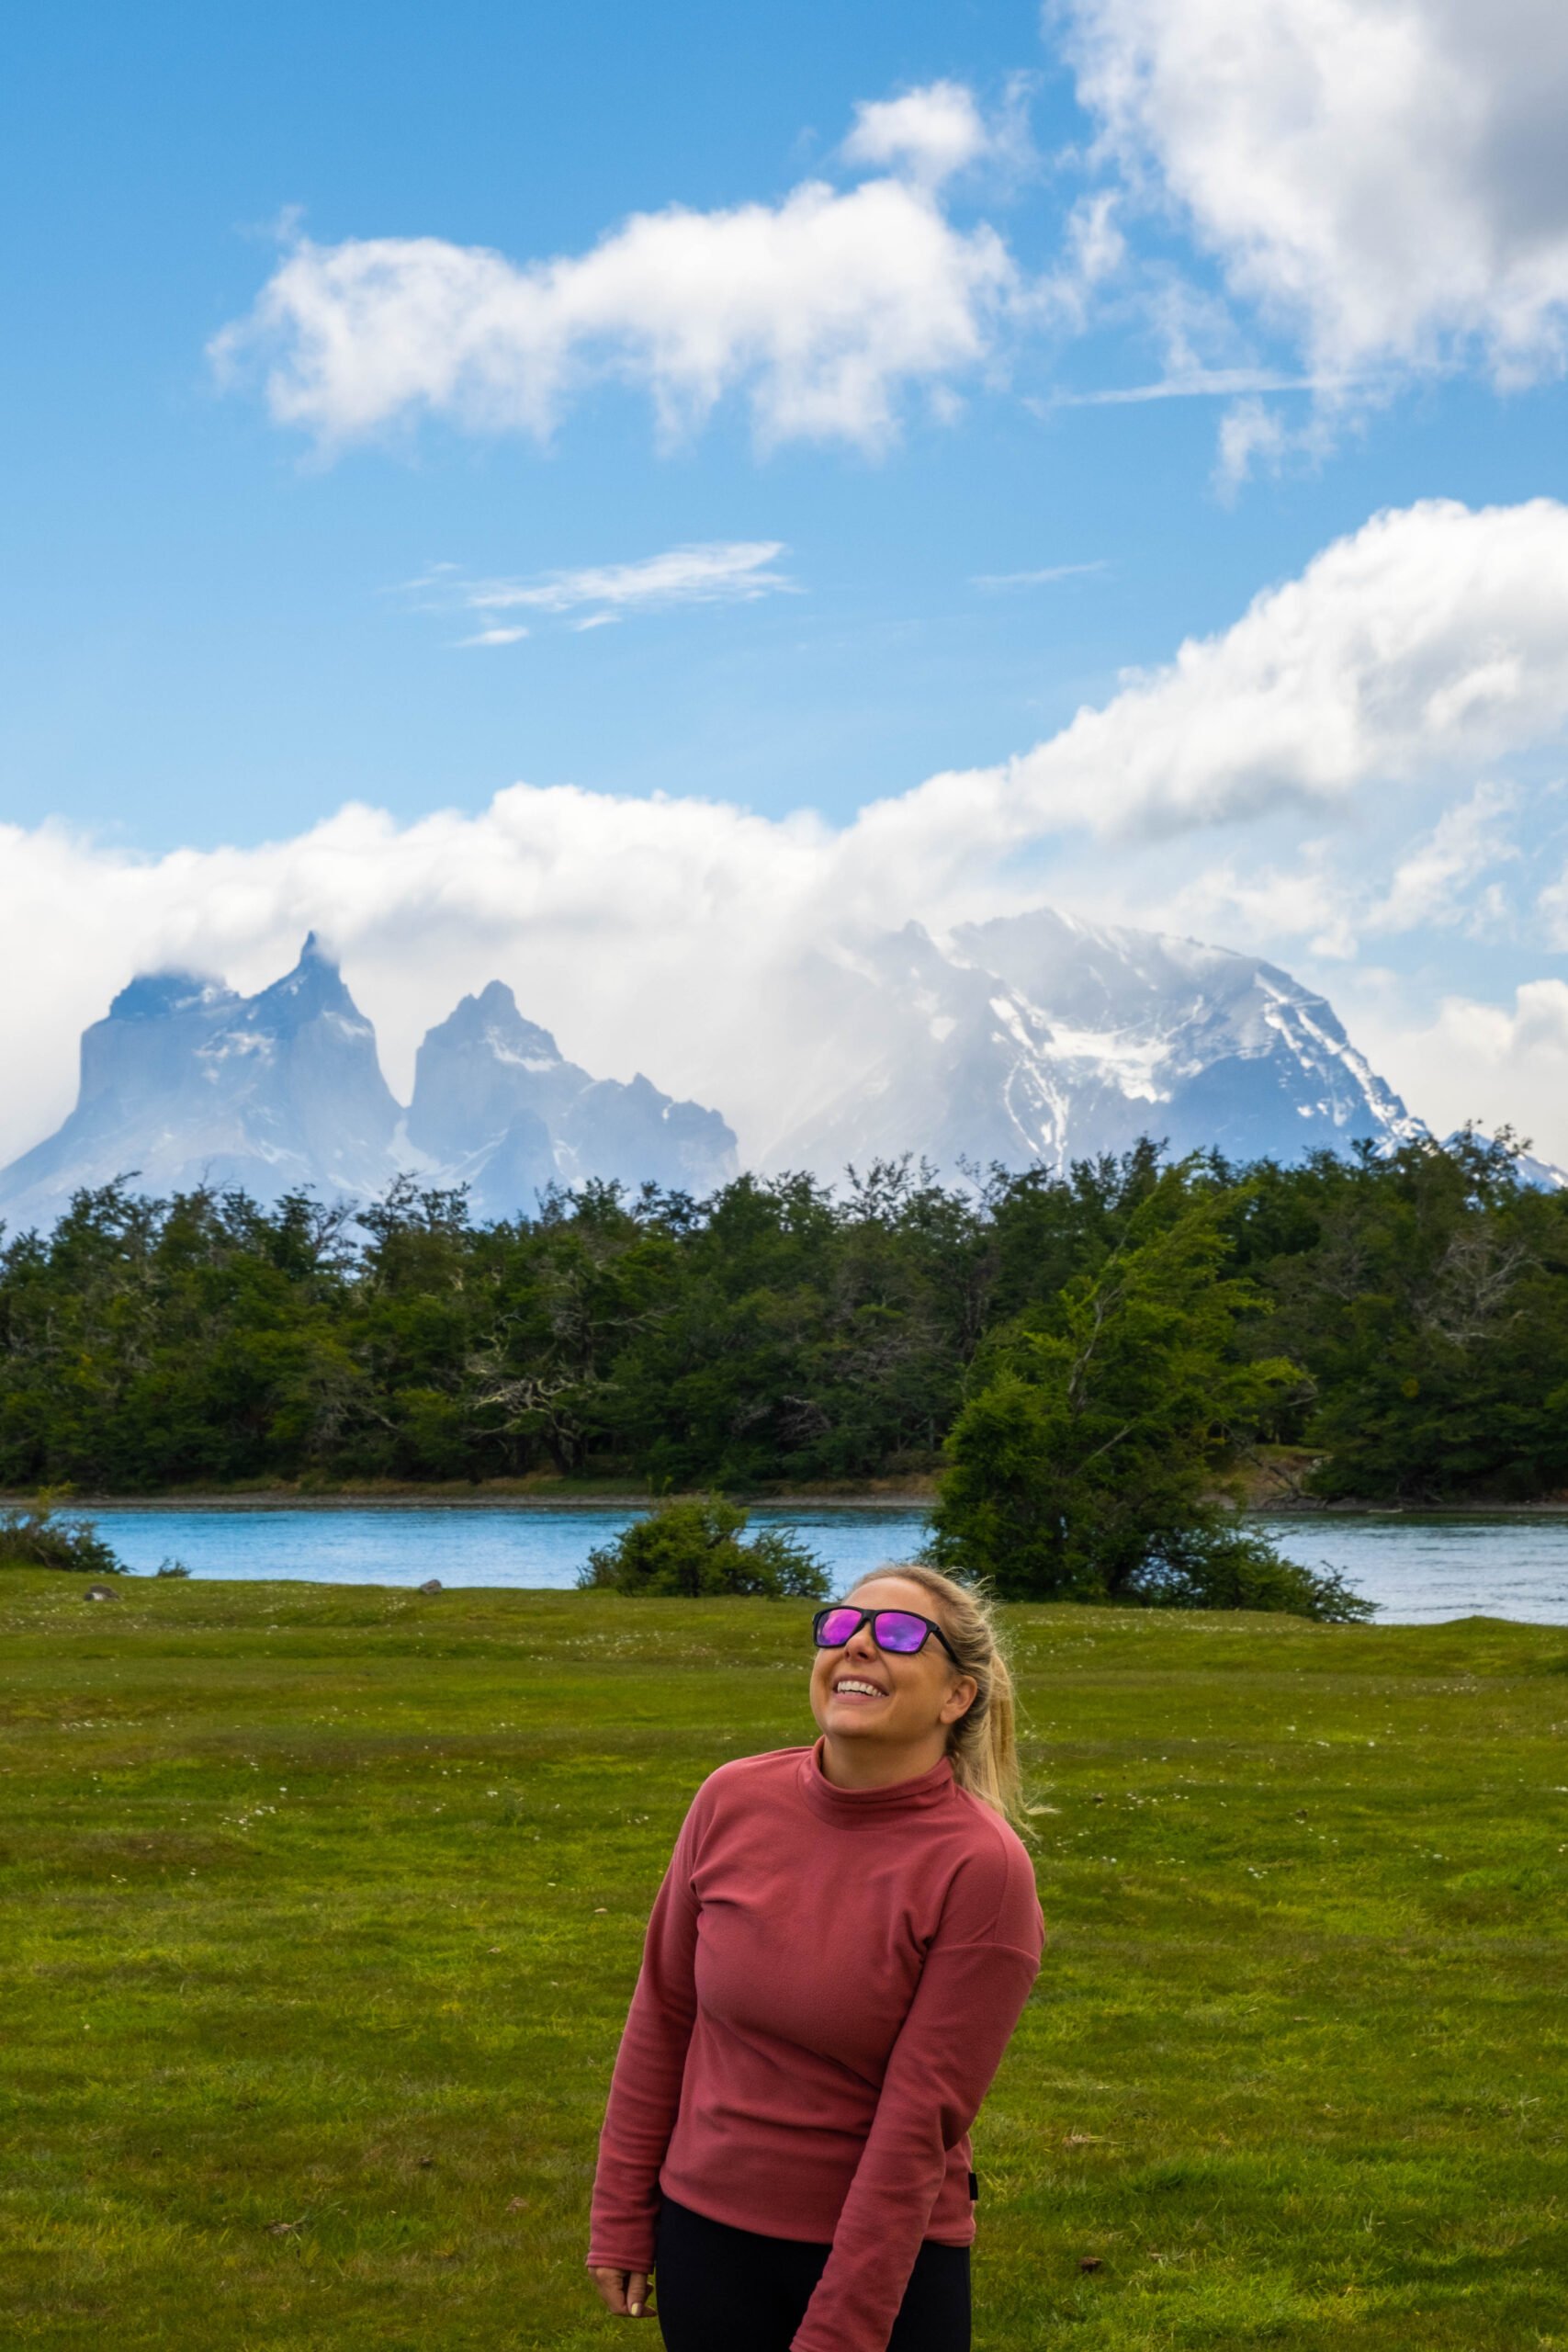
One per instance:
(1083, 1464)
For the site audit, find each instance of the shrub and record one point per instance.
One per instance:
(1215, 1564)
(694, 1547)
(43, 1537)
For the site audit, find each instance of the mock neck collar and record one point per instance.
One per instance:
(869, 1808)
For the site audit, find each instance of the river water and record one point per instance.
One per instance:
(1417, 1570)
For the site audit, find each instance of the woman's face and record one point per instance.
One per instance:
(860, 1692)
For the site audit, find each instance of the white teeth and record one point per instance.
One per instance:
(870, 1688)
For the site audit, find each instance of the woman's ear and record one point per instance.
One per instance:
(960, 1699)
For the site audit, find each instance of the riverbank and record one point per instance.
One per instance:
(1268, 1484)
(489, 1494)
(506, 1494)
(322, 1906)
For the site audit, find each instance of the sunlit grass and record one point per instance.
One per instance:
(322, 1907)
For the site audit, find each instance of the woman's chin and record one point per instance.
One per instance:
(855, 1718)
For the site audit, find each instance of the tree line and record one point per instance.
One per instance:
(1404, 1319)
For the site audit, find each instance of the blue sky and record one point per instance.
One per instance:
(229, 610)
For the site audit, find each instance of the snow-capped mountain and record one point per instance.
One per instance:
(1033, 1038)
(187, 1083)
(1036, 1037)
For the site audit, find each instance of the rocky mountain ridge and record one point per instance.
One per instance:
(1040, 1037)
(1032, 1038)
(186, 1082)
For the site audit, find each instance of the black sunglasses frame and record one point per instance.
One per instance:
(867, 1616)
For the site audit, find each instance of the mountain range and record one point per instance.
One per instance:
(1038, 1037)
(187, 1083)
(1031, 1038)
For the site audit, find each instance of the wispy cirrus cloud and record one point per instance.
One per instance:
(1198, 383)
(1044, 577)
(496, 636)
(715, 572)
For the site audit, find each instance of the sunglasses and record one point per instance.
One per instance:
(899, 1631)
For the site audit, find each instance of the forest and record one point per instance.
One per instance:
(1394, 1328)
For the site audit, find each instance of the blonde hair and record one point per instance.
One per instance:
(983, 1743)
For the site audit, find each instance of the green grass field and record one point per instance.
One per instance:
(322, 1907)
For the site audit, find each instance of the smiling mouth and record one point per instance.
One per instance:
(850, 1686)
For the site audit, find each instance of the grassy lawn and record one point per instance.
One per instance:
(322, 1907)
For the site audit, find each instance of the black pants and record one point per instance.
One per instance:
(721, 2290)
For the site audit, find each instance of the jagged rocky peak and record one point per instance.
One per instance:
(315, 987)
(497, 1104)
(640, 1135)
(1032, 1038)
(187, 1083)
(481, 1068)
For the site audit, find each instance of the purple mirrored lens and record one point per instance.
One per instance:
(892, 1630)
(836, 1628)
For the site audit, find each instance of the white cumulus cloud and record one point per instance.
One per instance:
(1501, 1065)
(1433, 636)
(1437, 880)
(1382, 178)
(822, 310)
(933, 131)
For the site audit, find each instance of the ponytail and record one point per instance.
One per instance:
(983, 1744)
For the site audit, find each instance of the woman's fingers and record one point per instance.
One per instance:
(625, 2293)
(612, 2286)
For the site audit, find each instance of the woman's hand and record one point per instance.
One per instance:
(625, 2293)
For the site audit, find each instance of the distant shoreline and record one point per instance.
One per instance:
(464, 1497)
(508, 1495)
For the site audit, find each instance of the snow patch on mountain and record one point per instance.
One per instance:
(1039, 1038)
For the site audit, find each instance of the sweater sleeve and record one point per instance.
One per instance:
(976, 1980)
(645, 2089)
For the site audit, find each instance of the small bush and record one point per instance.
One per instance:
(694, 1547)
(1213, 1563)
(171, 1569)
(43, 1537)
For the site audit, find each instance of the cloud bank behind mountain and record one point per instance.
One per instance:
(1402, 664)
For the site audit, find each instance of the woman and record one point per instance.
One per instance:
(835, 1962)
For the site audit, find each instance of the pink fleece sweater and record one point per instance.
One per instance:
(830, 1980)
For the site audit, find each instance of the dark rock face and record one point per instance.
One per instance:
(1038, 1038)
(186, 1083)
(612, 1129)
(481, 1068)
(497, 1103)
